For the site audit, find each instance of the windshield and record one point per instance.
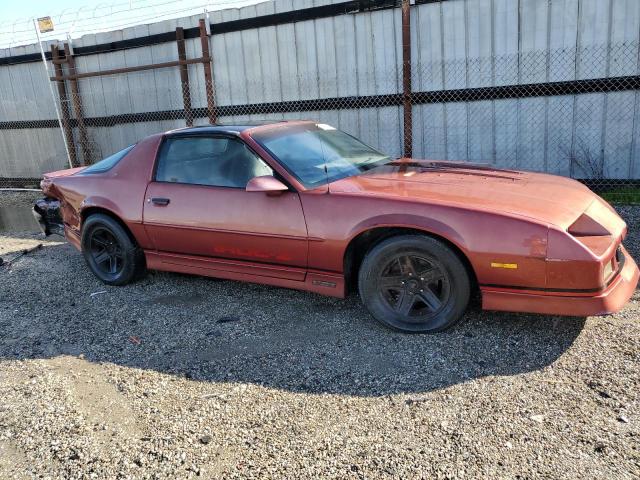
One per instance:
(316, 153)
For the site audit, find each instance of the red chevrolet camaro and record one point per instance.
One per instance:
(304, 205)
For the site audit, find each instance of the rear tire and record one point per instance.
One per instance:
(111, 254)
(414, 284)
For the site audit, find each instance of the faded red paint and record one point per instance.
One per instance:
(298, 238)
(251, 253)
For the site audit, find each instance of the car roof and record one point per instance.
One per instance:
(231, 128)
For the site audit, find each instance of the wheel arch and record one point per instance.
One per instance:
(367, 239)
(92, 210)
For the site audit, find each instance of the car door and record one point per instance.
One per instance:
(197, 205)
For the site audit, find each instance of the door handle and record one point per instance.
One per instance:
(160, 201)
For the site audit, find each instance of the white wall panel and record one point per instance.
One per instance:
(480, 45)
(506, 130)
(588, 124)
(364, 60)
(456, 44)
(634, 164)
(505, 41)
(346, 55)
(481, 134)
(326, 51)
(434, 139)
(457, 131)
(235, 64)
(563, 37)
(531, 134)
(385, 54)
(593, 38)
(269, 60)
(427, 56)
(618, 135)
(625, 24)
(534, 35)
(559, 134)
(286, 50)
(307, 59)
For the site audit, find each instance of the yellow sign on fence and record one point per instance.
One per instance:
(45, 24)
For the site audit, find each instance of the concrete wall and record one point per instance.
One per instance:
(457, 44)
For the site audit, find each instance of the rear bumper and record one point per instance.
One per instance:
(610, 300)
(47, 212)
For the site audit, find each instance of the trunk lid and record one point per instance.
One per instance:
(63, 173)
(48, 179)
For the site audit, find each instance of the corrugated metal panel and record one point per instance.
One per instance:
(456, 44)
(505, 41)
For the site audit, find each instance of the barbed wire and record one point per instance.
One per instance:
(106, 17)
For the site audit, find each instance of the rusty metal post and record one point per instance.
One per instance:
(207, 64)
(139, 68)
(77, 108)
(184, 77)
(406, 78)
(64, 106)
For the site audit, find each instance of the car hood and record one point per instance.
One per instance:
(546, 198)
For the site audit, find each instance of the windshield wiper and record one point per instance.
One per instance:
(444, 165)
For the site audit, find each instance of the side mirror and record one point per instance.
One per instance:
(266, 184)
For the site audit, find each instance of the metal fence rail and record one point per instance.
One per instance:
(579, 128)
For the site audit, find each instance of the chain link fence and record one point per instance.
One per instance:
(570, 112)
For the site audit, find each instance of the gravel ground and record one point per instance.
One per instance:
(178, 376)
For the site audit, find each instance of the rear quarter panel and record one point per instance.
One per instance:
(120, 190)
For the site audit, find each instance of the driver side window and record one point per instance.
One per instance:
(212, 161)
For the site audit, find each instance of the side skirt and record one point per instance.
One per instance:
(73, 238)
(323, 283)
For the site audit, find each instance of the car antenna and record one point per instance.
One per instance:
(324, 158)
(326, 174)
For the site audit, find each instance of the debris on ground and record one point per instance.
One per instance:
(25, 251)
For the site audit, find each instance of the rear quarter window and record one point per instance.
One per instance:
(109, 162)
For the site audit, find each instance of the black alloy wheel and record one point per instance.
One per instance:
(106, 251)
(414, 283)
(109, 250)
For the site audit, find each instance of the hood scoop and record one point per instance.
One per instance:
(407, 166)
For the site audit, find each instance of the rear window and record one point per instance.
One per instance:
(109, 162)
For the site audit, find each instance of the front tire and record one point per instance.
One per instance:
(111, 254)
(414, 284)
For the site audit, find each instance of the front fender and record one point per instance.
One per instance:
(502, 250)
(428, 225)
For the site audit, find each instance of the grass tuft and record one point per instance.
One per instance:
(628, 195)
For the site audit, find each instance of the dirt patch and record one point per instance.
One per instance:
(97, 400)
(13, 463)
